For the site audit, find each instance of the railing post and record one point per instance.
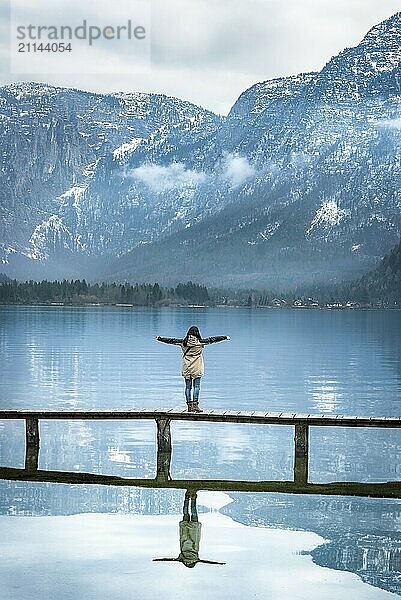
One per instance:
(163, 450)
(301, 454)
(32, 444)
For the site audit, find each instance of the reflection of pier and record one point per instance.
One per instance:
(390, 489)
(163, 418)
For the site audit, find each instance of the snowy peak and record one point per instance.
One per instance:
(26, 89)
(368, 69)
(386, 32)
(145, 107)
(258, 97)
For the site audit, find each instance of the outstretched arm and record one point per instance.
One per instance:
(212, 562)
(216, 338)
(207, 562)
(176, 341)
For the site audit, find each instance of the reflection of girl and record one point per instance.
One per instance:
(190, 533)
(192, 362)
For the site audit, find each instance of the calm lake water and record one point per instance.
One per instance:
(96, 541)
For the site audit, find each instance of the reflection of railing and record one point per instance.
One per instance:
(163, 418)
(390, 489)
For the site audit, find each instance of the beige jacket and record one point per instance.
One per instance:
(190, 534)
(192, 360)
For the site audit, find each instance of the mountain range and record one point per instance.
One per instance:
(299, 183)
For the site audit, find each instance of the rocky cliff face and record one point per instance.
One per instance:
(57, 143)
(300, 182)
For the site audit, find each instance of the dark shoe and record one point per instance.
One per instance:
(190, 406)
(195, 407)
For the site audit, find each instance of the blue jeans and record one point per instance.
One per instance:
(195, 383)
(185, 510)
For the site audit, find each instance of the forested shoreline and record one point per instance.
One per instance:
(81, 293)
(379, 288)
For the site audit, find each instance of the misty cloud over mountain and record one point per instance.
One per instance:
(232, 170)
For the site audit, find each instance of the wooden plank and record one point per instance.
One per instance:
(330, 417)
(211, 415)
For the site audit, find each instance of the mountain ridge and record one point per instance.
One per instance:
(300, 180)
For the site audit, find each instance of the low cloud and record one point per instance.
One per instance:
(233, 170)
(236, 169)
(164, 178)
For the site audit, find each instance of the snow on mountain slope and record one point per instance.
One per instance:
(301, 179)
(57, 140)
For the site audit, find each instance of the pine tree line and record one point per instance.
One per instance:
(80, 292)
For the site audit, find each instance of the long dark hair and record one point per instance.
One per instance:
(192, 331)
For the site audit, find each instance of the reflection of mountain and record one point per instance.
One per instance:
(352, 524)
(327, 516)
(48, 499)
(111, 556)
(376, 559)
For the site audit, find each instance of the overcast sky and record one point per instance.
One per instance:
(209, 51)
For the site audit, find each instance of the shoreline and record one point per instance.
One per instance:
(198, 306)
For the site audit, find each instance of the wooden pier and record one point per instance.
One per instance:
(163, 418)
(388, 489)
